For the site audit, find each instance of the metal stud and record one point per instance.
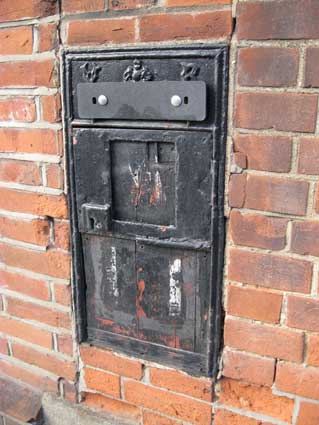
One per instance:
(176, 100)
(102, 100)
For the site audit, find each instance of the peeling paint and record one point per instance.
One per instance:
(175, 293)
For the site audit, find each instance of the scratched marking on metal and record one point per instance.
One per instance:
(111, 273)
(175, 293)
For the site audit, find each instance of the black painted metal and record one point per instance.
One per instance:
(146, 200)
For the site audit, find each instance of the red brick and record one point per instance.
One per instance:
(38, 381)
(302, 313)
(268, 66)
(47, 361)
(48, 37)
(265, 153)
(20, 172)
(70, 391)
(54, 176)
(29, 141)
(120, 30)
(286, 196)
(51, 262)
(317, 200)
(35, 288)
(309, 156)
(304, 238)
(237, 190)
(240, 160)
(256, 399)
(103, 359)
(151, 418)
(65, 344)
(182, 26)
(131, 4)
(286, 20)
(254, 304)
(312, 67)
(16, 41)
(26, 332)
(62, 234)
(181, 383)
(170, 404)
(308, 414)
(62, 294)
(71, 6)
(22, 9)
(110, 405)
(103, 382)
(28, 74)
(270, 271)
(17, 109)
(258, 230)
(245, 367)
(31, 231)
(33, 203)
(30, 311)
(225, 417)
(3, 346)
(264, 340)
(297, 379)
(263, 111)
(51, 108)
(181, 3)
(313, 350)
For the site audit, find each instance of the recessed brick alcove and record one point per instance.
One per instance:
(267, 366)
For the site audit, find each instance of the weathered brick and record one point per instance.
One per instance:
(254, 304)
(240, 160)
(26, 332)
(223, 417)
(263, 111)
(313, 350)
(297, 379)
(181, 26)
(51, 108)
(168, 403)
(29, 141)
(245, 367)
(33, 203)
(268, 66)
(265, 153)
(71, 6)
(285, 19)
(31, 311)
(16, 282)
(308, 414)
(258, 230)
(103, 382)
(17, 109)
(111, 405)
(16, 41)
(65, 344)
(24, 172)
(304, 238)
(237, 190)
(48, 37)
(106, 360)
(309, 156)
(54, 176)
(31, 231)
(256, 399)
(264, 340)
(28, 74)
(50, 362)
(62, 294)
(286, 196)
(131, 4)
(181, 383)
(312, 67)
(22, 9)
(317, 200)
(119, 30)
(177, 3)
(62, 234)
(302, 313)
(3, 346)
(151, 418)
(270, 271)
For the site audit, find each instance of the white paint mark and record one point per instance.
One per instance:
(111, 273)
(175, 293)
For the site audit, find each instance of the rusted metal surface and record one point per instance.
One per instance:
(147, 213)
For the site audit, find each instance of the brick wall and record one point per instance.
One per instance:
(269, 370)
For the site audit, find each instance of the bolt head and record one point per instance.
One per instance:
(102, 100)
(176, 100)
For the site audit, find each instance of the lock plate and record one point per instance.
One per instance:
(95, 218)
(151, 100)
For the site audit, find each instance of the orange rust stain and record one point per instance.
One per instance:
(75, 142)
(139, 309)
(163, 229)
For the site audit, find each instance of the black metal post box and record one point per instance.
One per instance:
(146, 135)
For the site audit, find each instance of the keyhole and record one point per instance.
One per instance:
(92, 223)
(186, 100)
(94, 100)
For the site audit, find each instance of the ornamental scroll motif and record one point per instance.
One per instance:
(137, 72)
